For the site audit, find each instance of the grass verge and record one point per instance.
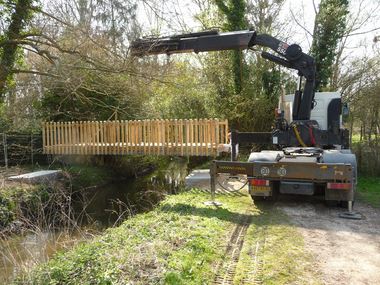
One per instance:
(369, 190)
(182, 241)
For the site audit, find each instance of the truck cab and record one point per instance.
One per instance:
(307, 170)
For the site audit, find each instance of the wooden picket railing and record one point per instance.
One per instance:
(199, 137)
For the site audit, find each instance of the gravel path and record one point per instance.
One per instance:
(346, 251)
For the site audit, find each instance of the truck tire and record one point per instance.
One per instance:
(342, 156)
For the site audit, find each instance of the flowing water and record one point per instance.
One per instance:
(97, 209)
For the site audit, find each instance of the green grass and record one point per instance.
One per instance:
(369, 190)
(273, 252)
(181, 242)
(17, 200)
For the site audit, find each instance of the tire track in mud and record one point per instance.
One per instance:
(227, 268)
(254, 275)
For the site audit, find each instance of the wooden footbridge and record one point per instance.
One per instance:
(199, 137)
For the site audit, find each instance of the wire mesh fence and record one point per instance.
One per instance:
(18, 149)
(368, 158)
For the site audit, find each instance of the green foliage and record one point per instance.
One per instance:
(180, 242)
(4, 119)
(17, 201)
(234, 11)
(329, 27)
(369, 190)
(18, 14)
(90, 95)
(187, 96)
(7, 212)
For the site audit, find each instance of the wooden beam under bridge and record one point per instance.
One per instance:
(195, 137)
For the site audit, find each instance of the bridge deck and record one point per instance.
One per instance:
(157, 137)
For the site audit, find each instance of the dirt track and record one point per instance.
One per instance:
(346, 251)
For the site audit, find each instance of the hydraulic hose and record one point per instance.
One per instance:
(299, 139)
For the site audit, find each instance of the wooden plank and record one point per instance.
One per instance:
(91, 137)
(199, 137)
(101, 137)
(118, 139)
(48, 138)
(67, 143)
(186, 138)
(59, 141)
(212, 136)
(50, 131)
(181, 136)
(148, 137)
(76, 137)
(105, 137)
(166, 137)
(70, 142)
(122, 137)
(175, 136)
(139, 136)
(43, 138)
(83, 137)
(218, 138)
(144, 135)
(134, 131)
(126, 126)
(80, 135)
(86, 137)
(132, 137)
(159, 136)
(64, 138)
(207, 136)
(97, 138)
(203, 136)
(161, 141)
(73, 137)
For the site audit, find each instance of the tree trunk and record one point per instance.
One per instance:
(8, 54)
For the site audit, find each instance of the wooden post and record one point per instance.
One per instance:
(73, 137)
(117, 137)
(58, 134)
(208, 139)
(70, 137)
(86, 137)
(144, 135)
(65, 138)
(122, 136)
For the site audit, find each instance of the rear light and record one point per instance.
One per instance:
(340, 186)
(259, 182)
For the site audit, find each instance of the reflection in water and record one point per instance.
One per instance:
(96, 209)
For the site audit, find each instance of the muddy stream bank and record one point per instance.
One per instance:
(96, 209)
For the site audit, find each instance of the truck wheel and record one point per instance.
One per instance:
(258, 198)
(331, 203)
(262, 198)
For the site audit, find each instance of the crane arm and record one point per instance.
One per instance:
(291, 56)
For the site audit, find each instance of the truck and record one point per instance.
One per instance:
(310, 152)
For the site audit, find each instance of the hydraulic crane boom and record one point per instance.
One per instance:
(291, 56)
(310, 156)
(302, 131)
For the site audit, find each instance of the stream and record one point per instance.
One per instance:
(98, 209)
